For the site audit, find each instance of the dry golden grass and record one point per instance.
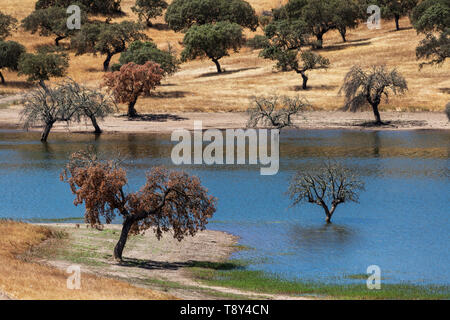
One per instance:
(196, 87)
(23, 279)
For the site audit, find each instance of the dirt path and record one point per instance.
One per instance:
(166, 123)
(160, 265)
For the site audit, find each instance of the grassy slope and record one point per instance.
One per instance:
(24, 279)
(197, 88)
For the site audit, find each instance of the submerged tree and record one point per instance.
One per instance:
(368, 87)
(328, 187)
(275, 111)
(132, 81)
(169, 200)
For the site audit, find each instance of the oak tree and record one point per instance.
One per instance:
(169, 201)
(149, 9)
(10, 53)
(132, 81)
(395, 9)
(7, 25)
(106, 7)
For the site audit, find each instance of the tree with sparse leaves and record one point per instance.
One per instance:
(10, 53)
(169, 201)
(51, 21)
(7, 25)
(132, 81)
(363, 88)
(149, 9)
(106, 39)
(432, 18)
(275, 111)
(213, 41)
(329, 186)
(183, 14)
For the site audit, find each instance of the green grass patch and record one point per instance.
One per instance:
(259, 281)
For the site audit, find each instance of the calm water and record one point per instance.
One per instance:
(401, 224)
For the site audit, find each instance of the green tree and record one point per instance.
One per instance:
(395, 9)
(10, 53)
(7, 25)
(140, 52)
(432, 18)
(212, 41)
(43, 65)
(286, 41)
(348, 15)
(149, 9)
(106, 39)
(51, 21)
(182, 14)
(92, 6)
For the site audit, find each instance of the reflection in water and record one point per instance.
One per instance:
(320, 238)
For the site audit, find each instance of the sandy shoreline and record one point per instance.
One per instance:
(166, 123)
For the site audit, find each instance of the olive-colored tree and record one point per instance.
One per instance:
(149, 9)
(329, 186)
(7, 25)
(213, 41)
(395, 9)
(106, 7)
(132, 81)
(169, 200)
(10, 53)
(363, 88)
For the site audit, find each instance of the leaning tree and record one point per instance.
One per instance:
(132, 81)
(363, 88)
(106, 39)
(275, 111)
(213, 41)
(7, 25)
(149, 9)
(10, 53)
(329, 186)
(169, 200)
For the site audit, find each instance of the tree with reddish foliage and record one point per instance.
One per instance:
(132, 81)
(169, 200)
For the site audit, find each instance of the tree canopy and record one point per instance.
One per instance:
(212, 41)
(395, 9)
(7, 25)
(149, 9)
(10, 53)
(169, 201)
(92, 6)
(141, 52)
(106, 38)
(182, 14)
(51, 21)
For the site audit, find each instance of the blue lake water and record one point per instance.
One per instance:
(401, 223)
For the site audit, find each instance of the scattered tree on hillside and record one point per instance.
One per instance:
(182, 14)
(106, 38)
(51, 21)
(348, 15)
(431, 17)
(92, 6)
(285, 42)
(328, 187)
(395, 9)
(7, 25)
(212, 41)
(368, 87)
(149, 9)
(275, 111)
(132, 81)
(141, 52)
(10, 53)
(43, 65)
(169, 200)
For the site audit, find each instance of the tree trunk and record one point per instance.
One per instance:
(2, 78)
(118, 249)
(397, 25)
(43, 86)
(131, 110)
(319, 41)
(343, 32)
(46, 131)
(376, 113)
(106, 62)
(95, 125)
(59, 38)
(219, 69)
(328, 219)
(305, 80)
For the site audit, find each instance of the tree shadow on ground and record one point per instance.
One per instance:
(345, 45)
(212, 74)
(169, 94)
(391, 124)
(160, 26)
(164, 265)
(17, 85)
(401, 29)
(318, 87)
(163, 117)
